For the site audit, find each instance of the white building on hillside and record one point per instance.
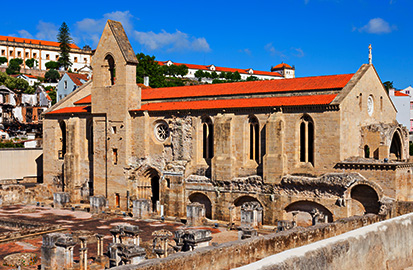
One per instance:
(43, 52)
(285, 71)
(402, 102)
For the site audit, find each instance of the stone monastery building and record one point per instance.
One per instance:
(325, 146)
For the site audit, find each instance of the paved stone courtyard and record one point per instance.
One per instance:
(82, 223)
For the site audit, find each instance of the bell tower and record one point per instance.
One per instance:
(114, 93)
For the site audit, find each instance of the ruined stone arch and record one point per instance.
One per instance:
(146, 185)
(202, 199)
(236, 207)
(306, 141)
(396, 145)
(364, 199)
(306, 213)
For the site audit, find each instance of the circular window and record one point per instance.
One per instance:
(161, 131)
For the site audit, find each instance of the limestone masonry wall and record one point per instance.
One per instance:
(384, 245)
(238, 253)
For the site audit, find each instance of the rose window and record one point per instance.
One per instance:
(162, 131)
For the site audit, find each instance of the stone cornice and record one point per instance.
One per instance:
(372, 166)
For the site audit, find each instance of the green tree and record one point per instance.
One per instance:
(52, 75)
(3, 60)
(252, 78)
(52, 94)
(236, 76)
(182, 70)
(30, 62)
(388, 85)
(52, 65)
(14, 66)
(149, 67)
(64, 38)
(214, 75)
(199, 74)
(223, 75)
(228, 75)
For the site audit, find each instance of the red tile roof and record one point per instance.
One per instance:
(35, 41)
(82, 109)
(400, 94)
(224, 69)
(239, 103)
(254, 87)
(282, 65)
(85, 100)
(76, 78)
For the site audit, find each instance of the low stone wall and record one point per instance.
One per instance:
(24, 229)
(238, 253)
(384, 245)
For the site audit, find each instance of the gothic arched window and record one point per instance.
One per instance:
(254, 138)
(207, 138)
(307, 139)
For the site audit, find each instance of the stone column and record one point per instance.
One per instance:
(99, 245)
(223, 162)
(83, 253)
(195, 213)
(274, 159)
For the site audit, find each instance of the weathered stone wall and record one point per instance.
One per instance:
(238, 253)
(383, 245)
(354, 111)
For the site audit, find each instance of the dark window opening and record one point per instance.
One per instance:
(208, 138)
(366, 151)
(115, 156)
(117, 200)
(254, 139)
(155, 191)
(62, 150)
(111, 69)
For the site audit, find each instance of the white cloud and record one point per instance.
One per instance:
(177, 41)
(247, 51)
(89, 30)
(47, 31)
(377, 26)
(297, 52)
(270, 48)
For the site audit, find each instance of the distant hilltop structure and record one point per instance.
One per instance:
(280, 71)
(43, 51)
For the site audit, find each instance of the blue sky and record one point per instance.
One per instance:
(319, 37)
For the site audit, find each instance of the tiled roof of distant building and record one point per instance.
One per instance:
(77, 78)
(35, 41)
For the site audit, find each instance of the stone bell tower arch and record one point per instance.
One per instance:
(114, 93)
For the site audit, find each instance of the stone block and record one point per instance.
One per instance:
(141, 208)
(61, 199)
(98, 204)
(251, 214)
(195, 213)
